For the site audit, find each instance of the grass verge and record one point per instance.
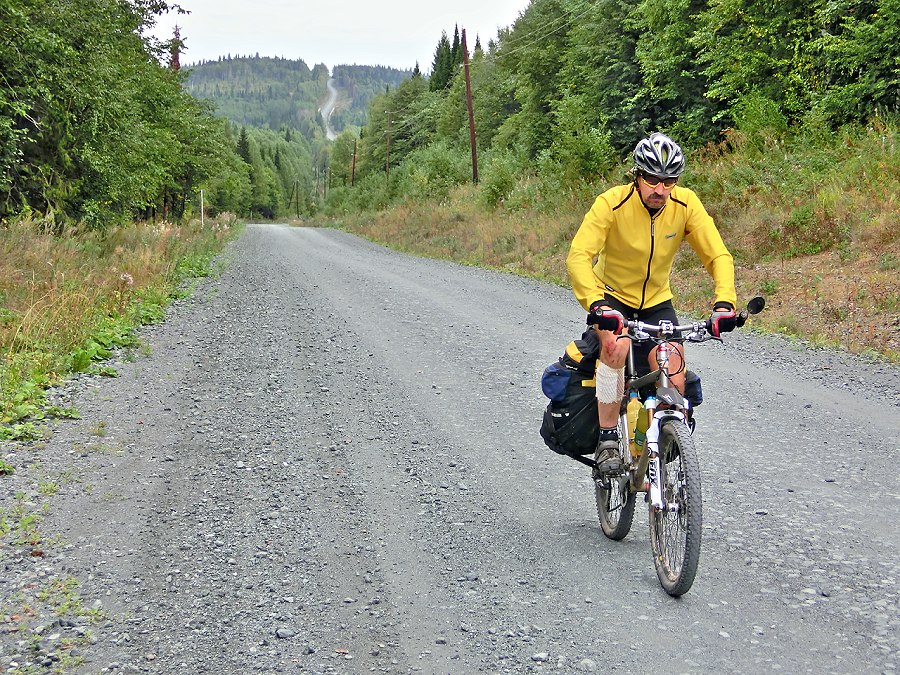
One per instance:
(67, 300)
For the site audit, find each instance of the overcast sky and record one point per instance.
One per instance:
(394, 33)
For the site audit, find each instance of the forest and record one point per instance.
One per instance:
(256, 91)
(572, 84)
(358, 86)
(558, 97)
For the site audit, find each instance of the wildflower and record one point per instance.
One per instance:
(127, 279)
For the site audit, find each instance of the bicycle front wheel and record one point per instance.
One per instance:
(675, 531)
(615, 500)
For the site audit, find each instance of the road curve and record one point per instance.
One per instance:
(328, 108)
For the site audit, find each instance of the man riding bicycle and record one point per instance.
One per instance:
(633, 232)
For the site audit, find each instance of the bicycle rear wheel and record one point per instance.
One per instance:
(615, 500)
(675, 532)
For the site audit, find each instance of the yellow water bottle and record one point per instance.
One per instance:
(632, 411)
(640, 432)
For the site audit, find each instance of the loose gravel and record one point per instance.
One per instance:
(327, 461)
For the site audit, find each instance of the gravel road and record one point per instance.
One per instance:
(327, 461)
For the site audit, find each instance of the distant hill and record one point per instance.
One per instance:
(358, 85)
(275, 92)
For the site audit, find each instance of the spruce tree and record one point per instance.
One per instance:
(442, 68)
(243, 145)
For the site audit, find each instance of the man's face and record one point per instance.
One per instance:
(653, 190)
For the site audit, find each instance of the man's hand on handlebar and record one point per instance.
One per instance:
(723, 319)
(605, 317)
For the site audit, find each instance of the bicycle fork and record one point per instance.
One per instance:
(654, 472)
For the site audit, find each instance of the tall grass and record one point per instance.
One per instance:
(67, 300)
(782, 198)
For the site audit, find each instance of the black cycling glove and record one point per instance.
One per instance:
(605, 317)
(723, 319)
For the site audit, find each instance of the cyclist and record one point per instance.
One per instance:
(619, 266)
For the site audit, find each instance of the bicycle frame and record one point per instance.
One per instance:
(648, 462)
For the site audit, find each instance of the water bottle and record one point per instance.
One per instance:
(636, 428)
(634, 406)
(640, 432)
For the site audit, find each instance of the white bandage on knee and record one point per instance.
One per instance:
(610, 383)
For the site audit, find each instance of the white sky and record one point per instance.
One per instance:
(393, 33)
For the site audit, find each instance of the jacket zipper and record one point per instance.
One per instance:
(650, 259)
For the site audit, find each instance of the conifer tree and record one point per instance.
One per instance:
(243, 145)
(442, 68)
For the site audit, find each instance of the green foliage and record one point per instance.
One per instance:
(68, 149)
(499, 176)
(358, 86)
(443, 65)
(278, 169)
(673, 88)
(434, 170)
(769, 287)
(261, 91)
(23, 432)
(342, 158)
(859, 54)
(888, 262)
(580, 149)
(759, 47)
(754, 113)
(601, 68)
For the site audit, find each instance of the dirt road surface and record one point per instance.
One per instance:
(327, 461)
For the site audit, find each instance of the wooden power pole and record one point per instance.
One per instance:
(387, 159)
(465, 52)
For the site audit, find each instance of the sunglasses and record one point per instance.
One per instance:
(653, 181)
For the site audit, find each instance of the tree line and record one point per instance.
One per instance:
(98, 125)
(92, 128)
(97, 128)
(261, 91)
(568, 88)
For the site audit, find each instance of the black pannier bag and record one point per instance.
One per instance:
(570, 425)
(693, 392)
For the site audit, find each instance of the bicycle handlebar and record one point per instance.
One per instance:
(696, 331)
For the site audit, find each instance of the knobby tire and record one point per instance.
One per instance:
(675, 537)
(615, 500)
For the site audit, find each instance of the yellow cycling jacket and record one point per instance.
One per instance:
(635, 253)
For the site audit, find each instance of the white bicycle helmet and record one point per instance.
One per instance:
(659, 155)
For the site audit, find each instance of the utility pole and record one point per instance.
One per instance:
(353, 165)
(387, 160)
(465, 51)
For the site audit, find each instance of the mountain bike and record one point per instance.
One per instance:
(658, 457)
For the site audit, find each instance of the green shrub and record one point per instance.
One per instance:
(432, 171)
(497, 180)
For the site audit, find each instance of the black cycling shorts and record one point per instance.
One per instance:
(664, 311)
